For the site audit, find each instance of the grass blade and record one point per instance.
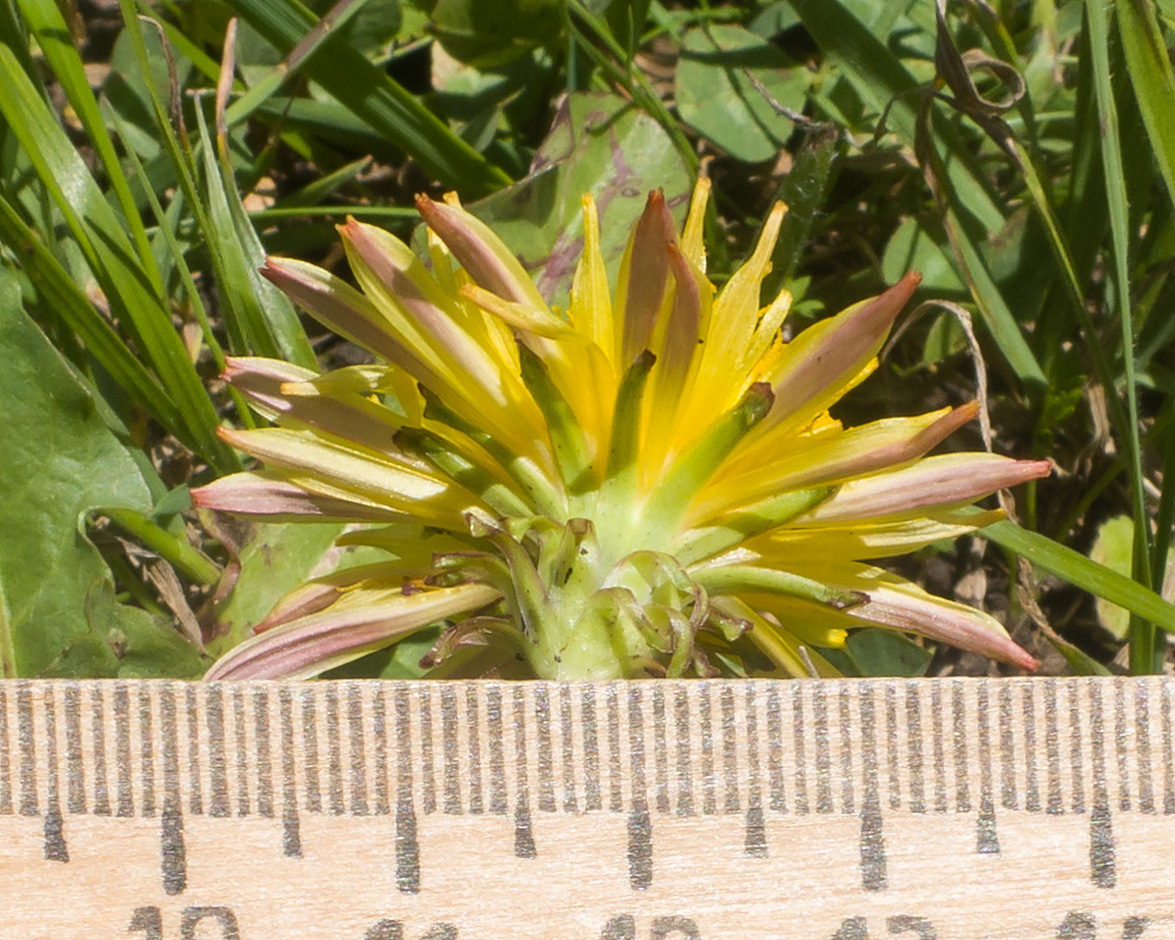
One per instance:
(1153, 80)
(264, 315)
(67, 301)
(48, 26)
(101, 234)
(1142, 635)
(1081, 572)
(372, 95)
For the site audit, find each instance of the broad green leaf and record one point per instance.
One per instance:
(1114, 548)
(489, 33)
(135, 646)
(912, 248)
(598, 144)
(129, 89)
(884, 653)
(276, 560)
(717, 97)
(60, 461)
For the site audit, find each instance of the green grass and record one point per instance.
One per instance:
(141, 186)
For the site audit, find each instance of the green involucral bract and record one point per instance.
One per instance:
(649, 484)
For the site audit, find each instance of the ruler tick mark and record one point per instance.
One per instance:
(192, 706)
(823, 758)
(291, 827)
(264, 768)
(566, 729)
(640, 848)
(55, 848)
(959, 733)
(498, 804)
(310, 750)
(214, 718)
(1077, 765)
(357, 750)
(871, 842)
(240, 722)
(874, 876)
(660, 747)
(756, 840)
(797, 705)
(938, 723)
(778, 800)
(146, 757)
(1031, 786)
(729, 750)
(28, 751)
(542, 714)
(428, 780)
(473, 729)
(914, 749)
(5, 766)
(1008, 796)
(612, 710)
(1146, 794)
(1102, 867)
(1052, 743)
(98, 730)
(892, 750)
(1168, 757)
(685, 784)
(1121, 742)
(847, 798)
(407, 848)
(172, 857)
(334, 756)
(449, 749)
(122, 744)
(524, 845)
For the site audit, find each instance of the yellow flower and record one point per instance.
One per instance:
(650, 485)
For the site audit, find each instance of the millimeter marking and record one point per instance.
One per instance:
(749, 751)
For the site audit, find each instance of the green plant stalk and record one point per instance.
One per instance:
(1142, 634)
(183, 557)
(125, 577)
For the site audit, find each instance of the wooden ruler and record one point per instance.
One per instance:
(683, 810)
